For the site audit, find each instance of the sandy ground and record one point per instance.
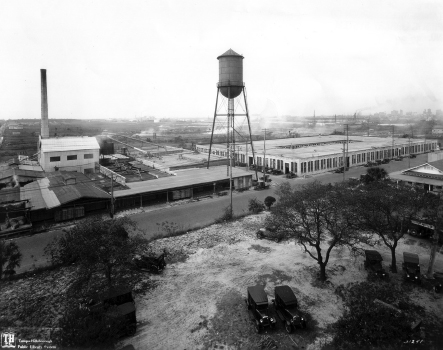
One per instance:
(199, 300)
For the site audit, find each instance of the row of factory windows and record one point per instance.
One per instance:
(71, 157)
(332, 163)
(335, 162)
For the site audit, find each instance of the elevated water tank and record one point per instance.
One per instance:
(230, 73)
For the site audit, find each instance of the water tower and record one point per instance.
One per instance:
(231, 87)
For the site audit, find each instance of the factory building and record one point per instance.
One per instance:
(69, 154)
(313, 155)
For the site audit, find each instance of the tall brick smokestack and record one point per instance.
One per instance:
(44, 123)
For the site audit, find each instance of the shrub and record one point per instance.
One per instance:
(366, 324)
(269, 201)
(255, 206)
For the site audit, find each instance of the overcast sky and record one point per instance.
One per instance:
(121, 59)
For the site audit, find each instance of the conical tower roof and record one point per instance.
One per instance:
(230, 52)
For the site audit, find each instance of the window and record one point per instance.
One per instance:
(316, 165)
(54, 159)
(73, 157)
(89, 156)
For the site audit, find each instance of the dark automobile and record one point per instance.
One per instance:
(373, 263)
(287, 310)
(261, 185)
(398, 158)
(258, 304)
(412, 156)
(291, 175)
(438, 282)
(411, 267)
(339, 170)
(154, 263)
(369, 164)
(118, 304)
(271, 233)
(276, 172)
(378, 162)
(385, 161)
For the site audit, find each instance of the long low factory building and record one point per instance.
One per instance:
(318, 154)
(187, 183)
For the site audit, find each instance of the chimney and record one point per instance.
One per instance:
(44, 122)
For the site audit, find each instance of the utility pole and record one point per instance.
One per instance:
(368, 127)
(344, 160)
(247, 159)
(392, 152)
(264, 156)
(347, 149)
(112, 196)
(434, 247)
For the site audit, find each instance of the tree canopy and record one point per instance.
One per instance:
(97, 245)
(10, 257)
(317, 216)
(386, 210)
(374, 174)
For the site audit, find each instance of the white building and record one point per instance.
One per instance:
(69, 154)
(319, 154)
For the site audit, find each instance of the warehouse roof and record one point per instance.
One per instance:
(321, 146)
(5, 174)
(68, 144)
(53, 191)
(184, 178)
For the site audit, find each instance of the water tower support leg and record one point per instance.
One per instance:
(213, 125)
(250, 134)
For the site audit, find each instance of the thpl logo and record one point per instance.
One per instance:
(8, 340)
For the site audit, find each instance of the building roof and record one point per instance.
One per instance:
(51, 192)
(428, 173)
(321, 146)
(230, 52)
(33, 193)
(10, 195)
(21, 173)
(184, 178)
(68, 144)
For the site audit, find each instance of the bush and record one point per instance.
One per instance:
(227, 215)
(269, 201)
(255, 206)
(366, 324)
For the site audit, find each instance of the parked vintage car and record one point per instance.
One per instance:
(291, 175)
(438, 282)
(271, 233)
(411, 267)
(378, 162)
(373, 263)
(118, 304)
(369, 164)
(261, 185)
(398, 158)
(412, 156)
(276, 172)
(385, 161)
(154, 262)
(339, 170)
(287, 310)
(258, 304)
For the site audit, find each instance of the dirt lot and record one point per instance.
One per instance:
(199, 301)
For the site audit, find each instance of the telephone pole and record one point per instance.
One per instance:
(344, 148)
(264, 156)
(392, 152)
(345, 163)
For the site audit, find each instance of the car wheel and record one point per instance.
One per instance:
(276, 240)
(288, 327)
(257, 327)
(259, 236)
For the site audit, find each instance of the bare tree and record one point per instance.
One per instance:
(317, 216)
(386, 209)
